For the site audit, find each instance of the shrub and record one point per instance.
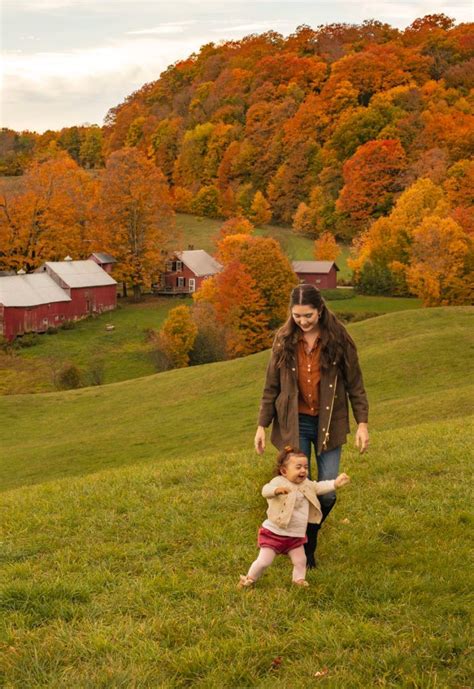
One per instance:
(25, 341)
(336, 294)
(52, 330)
(69, 377)
(68, 325)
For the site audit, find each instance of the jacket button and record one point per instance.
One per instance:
(330, 385)
(324, 429)
(293, 369)
(327, 407)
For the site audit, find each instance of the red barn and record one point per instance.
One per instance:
(185, 272)
(91, 289)
(105, 261)
(58, 291)
(321, 274)
(31, 303)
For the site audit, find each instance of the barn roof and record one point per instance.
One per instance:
(104, 258)
(199, 261)
(313, 266)
(79, 273)
(30, 290)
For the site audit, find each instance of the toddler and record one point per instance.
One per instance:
(292, 503)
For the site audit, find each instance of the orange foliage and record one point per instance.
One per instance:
(49, 217)
(136, 217)
(326, 248)
(371, 177)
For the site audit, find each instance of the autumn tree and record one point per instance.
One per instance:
(239, 308)
(371, 178)
(136, 217)
(326, 248)
(49, 216)
(268, 266)
(260, 212)
(177, 336)
(438, 262)
(238, 225)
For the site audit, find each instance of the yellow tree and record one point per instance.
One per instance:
(177, 336)
(137, 220)
(260, 212)
(439, 252)
(326, 248)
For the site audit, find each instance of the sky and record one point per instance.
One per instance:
(66, 62)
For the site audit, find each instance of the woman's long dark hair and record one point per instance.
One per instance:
(333, 334)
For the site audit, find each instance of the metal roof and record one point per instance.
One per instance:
(104, 258)
(313, 266)
(79, 273)
(30, 290)
(200, 262)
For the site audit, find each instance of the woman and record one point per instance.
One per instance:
(312, 372)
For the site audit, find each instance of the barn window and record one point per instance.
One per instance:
(180, 282)
(318, 281)
(179, 266)
(169, 266)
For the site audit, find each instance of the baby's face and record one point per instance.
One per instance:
(296, 469)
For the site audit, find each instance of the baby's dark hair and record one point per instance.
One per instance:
(283, 457)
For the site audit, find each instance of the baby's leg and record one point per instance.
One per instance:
(264, 560)
(298, 558)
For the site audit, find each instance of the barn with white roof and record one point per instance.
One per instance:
(186, 270)
(58, 291)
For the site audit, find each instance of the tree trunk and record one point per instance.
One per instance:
(137, 293)
(124, 289)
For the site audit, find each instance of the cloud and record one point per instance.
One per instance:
(85, 76)
(168, 28)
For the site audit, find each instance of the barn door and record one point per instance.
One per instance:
(192, 285)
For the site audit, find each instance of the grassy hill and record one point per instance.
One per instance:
(129, 511)
(126, 352)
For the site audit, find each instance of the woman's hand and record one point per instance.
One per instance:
(341, 480)
(260, 440)
(362, 437)
(281, 490)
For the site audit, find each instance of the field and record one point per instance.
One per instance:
(129, 511)
(199, 232)
(125, 352)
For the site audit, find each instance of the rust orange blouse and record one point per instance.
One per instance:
(309, 375)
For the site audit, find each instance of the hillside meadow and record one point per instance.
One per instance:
(129, 511)
(126, 352)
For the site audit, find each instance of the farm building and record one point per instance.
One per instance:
(105, 261)
(31, 303)
(321, 274)
(185, 272)
(58, 291)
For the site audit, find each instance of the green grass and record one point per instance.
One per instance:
(125, 351)
(130, 510)
(200, 232)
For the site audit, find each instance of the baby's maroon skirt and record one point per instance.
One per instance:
(280, 544)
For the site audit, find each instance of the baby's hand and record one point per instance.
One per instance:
(281, 490)
(341, 480)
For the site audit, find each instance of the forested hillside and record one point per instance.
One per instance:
(354, 132)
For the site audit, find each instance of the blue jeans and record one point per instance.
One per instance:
(327, 462)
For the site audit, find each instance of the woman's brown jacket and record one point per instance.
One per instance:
(341, 382)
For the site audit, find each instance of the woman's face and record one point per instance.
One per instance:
(306, 317)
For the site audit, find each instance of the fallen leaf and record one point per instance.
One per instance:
(276, 662)
(322, 673)
(345, 521)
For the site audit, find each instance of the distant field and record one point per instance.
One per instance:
(130, 510)
(200, 231)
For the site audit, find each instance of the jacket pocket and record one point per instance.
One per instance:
(281, 405)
